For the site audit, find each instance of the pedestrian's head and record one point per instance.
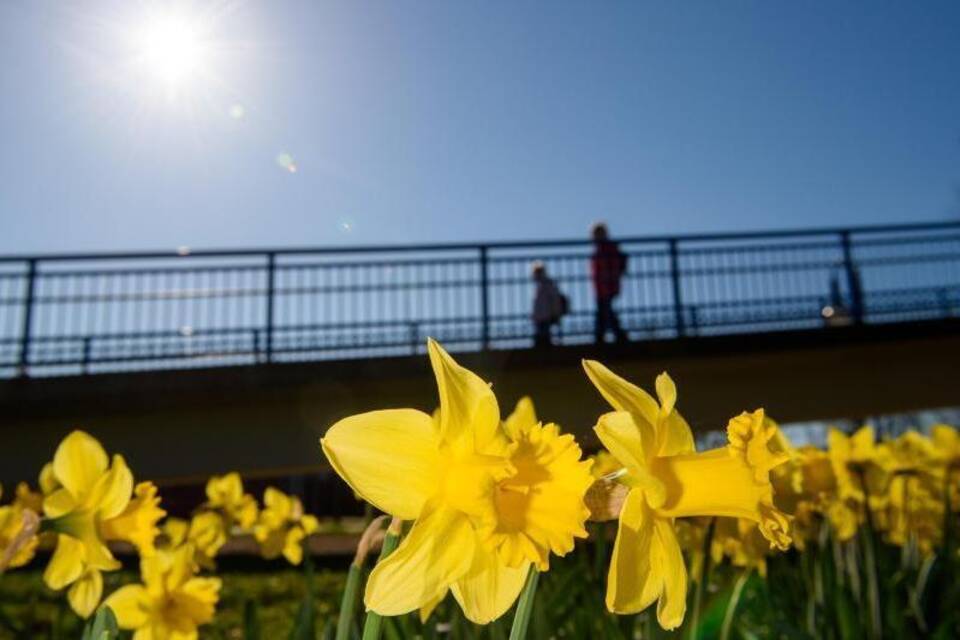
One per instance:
(538, 271)
(599, 231)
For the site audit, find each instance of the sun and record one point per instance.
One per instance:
(173, 48)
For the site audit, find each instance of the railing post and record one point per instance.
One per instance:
(85, 363)
(854, 285)
(414, 333)
(271, 281)
(23, 364)
(484, 300)
(675, 280)
(256, 346)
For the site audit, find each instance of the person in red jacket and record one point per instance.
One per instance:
(607, 266)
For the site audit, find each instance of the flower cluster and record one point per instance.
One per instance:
(481, 503)
(899, 487)
(89, 506)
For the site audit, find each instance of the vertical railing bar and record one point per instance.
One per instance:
(484, 300)
(268, 329)
(675, 280)
(23, 363)
(853, 279)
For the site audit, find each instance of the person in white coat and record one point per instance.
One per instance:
(548, 305)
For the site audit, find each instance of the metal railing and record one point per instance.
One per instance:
(85, 313)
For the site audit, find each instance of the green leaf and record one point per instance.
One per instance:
(103, 626)
(304, 627)
(251, 621)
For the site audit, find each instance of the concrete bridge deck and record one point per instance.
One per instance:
(180, 426)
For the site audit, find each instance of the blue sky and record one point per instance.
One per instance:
(434, 121)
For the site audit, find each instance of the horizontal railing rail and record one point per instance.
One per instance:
(68, 314)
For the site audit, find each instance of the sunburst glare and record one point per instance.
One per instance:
(172, 47)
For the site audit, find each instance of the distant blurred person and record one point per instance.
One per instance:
(549, 305)
(607, 266)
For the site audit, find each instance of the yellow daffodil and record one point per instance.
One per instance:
(946, 445)
(48, 480)
(207, 533)
(454, 477)
(137, 524)
(225, 494)
(92, 492)
(26, 498)
(946, 460)
(172, 601)
(740, 540)
(173, 532)
(283, 526)
(666, 479)
(855, 464)
(816, 497)
(17, 546)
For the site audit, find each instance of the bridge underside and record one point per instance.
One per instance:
(176, 425)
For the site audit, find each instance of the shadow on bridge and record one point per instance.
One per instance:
(177, 427)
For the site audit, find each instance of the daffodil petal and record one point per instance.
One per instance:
(84, 594)
(112, 491)
(633, 580)
(130, 604)
(78, 462)
(198, 597)
(438, 551)
(628, 441)
(674, 437)
(59, 502)
(389, 457)
(666, 393)
(467, 404)
(489, 589)
(427, 609)
(66, 564)
(521, 420)
(621, 394)
(673, 600)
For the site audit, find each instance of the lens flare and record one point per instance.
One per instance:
(285, 161)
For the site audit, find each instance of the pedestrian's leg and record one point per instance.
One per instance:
(598, 324)
(618, 331)
(541, 336)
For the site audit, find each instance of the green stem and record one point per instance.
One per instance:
(947, 516)
(600, 550)
(349, 602)
(521, 619)
(734, 601)
(373, 623)
(694, 628)
(870, 562)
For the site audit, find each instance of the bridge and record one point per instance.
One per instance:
(194, 362)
